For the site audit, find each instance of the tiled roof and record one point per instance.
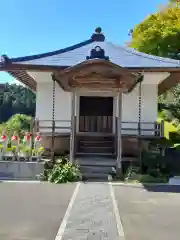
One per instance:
(122, 56)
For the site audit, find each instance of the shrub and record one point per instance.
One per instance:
(61, 172)
(166, 115)
(178, 128)
(154, 176)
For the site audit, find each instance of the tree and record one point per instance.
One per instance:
(16, 99)
(159, 33)
(174, 1)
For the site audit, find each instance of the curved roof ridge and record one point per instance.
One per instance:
(145, 55)
(48, 54)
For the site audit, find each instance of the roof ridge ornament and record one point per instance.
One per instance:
(98, 36)
(97, 52)
(4, 59)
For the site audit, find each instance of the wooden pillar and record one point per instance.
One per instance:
(72, 134)
(119, 136)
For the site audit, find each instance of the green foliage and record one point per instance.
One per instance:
(133, 176)
(159, 33)
(154, 169)
(175, 122)
(172, 2)
(166, 115)
(17, 123)
(16, 99)
(61, 172)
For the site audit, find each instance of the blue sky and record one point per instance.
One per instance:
(37, 26)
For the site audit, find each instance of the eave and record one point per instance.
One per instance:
(20, 72)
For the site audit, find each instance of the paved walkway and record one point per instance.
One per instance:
(92, 214)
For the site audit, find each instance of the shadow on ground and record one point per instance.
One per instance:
(162, 188)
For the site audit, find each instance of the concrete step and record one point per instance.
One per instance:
(96, 161)
(95, 176)
(96, 149)
(96, 169)
(95, 143)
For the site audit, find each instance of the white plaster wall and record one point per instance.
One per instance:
(44, 97)
(130, 108)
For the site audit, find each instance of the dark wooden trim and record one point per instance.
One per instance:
(30, 67)
(60, 51)
(154, 69)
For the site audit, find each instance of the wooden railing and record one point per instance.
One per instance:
(142, 129)
(100, 124)
(45, 126)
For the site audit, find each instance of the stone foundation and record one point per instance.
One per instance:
(20, 170)
(130, 146)
(61, 143)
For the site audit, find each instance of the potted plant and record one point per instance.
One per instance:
(9, 156)
(36, 154)
(24, 153)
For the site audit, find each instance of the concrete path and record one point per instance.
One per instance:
(92, 214)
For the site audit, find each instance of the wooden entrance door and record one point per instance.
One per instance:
(96, 114)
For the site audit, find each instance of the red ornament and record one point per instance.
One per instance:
(3, 137)
(14, 138)
(38, 138)
(27, 137)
